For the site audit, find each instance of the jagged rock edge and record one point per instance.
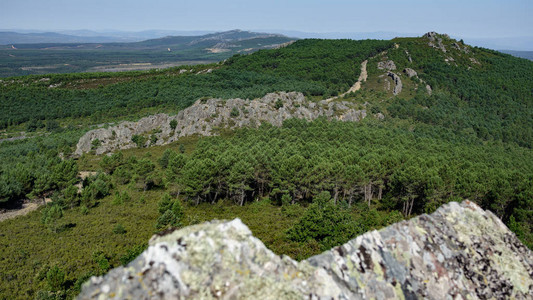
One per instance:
(460, 251)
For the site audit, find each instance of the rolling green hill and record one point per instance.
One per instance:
(460, 127)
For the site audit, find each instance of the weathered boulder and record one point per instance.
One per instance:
(206, 116)
(410, 72)
(458, 252)
(397, 83)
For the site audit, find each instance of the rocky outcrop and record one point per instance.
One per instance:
(387, 65)
(464, 49)
(429, 89)
(410, 72)
(408, 56)
(435, 40)
(458, 252)
(397, 83)
(206, 116)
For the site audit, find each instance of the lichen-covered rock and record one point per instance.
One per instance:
(458, 252)
(205, 116)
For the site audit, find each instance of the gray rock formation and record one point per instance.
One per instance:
(435, 41)
(397, 83)
(387, 65)
(458, 252)
(206, 116)
(428, 89)
(410, 72)
(408, 56)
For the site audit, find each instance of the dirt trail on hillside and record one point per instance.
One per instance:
(28, 207)
(357, 86)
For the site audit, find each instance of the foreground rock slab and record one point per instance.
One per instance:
(458, 252)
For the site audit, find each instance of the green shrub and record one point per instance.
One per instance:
(95, 144)
(177, 209)
(173, 124)
(50, 217)
(286, 200)
(165, 203)
(278, 104)
(52, 125)
(139, 140)
(84, 210)
(122, 175)
(153, 139)
(55, 278)
(166, 220)
(48, 295)
(131, 254)
(234, 112)
(119, 229)
(117, 199)
(102, 261)
(325, 223)
(70, 196)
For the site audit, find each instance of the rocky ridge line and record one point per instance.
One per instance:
(206, 116)
(458, 252)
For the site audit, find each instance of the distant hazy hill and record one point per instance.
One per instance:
(41, 58)
(50, 37)
(522, 54)
(219, 40)
(16, 36)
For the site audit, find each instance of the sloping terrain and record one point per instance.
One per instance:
(445, 122)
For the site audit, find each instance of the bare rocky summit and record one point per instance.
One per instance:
(206, 116)
(458, 252)
(435, 40)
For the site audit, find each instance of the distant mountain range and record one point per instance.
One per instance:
(522, 54)
(169, 51)
(53, 37)
(216, 42)
(87, 36)
(109, 36)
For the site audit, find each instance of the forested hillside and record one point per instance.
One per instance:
(301, 188)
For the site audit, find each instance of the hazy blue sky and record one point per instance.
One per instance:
(470, 18)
